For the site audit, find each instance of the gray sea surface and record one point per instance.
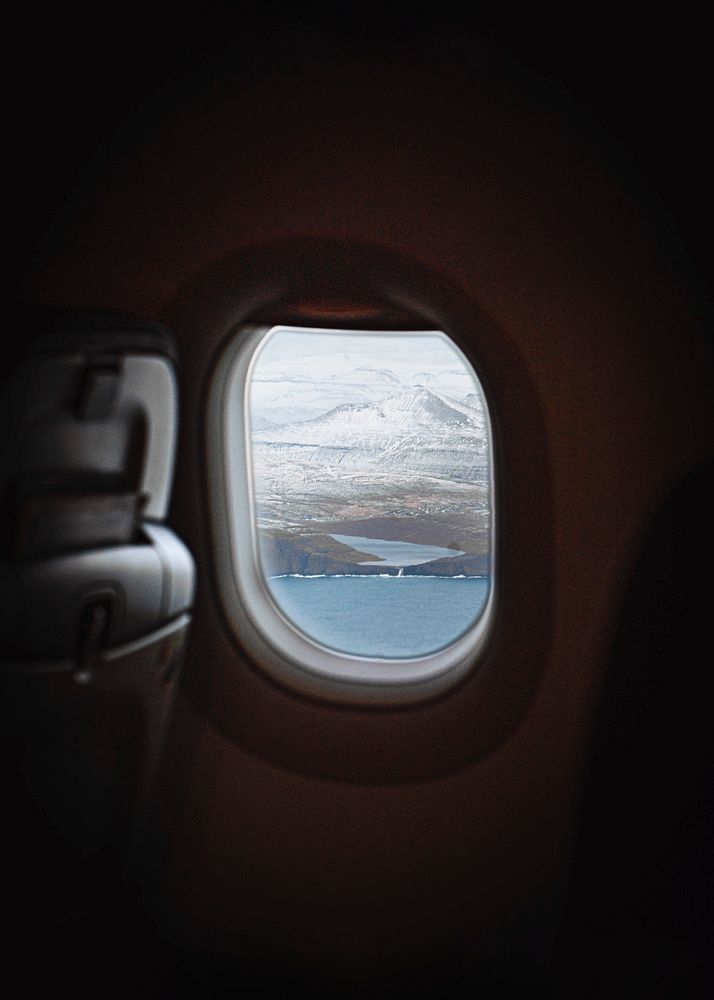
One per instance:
(391, 617)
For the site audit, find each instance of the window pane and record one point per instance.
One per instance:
(371, 464)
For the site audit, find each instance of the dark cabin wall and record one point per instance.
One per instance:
(456, 147)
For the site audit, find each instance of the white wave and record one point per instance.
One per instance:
(376, 576)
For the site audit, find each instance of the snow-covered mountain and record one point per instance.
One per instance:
(352, 426)
(416, 432)
(287, 397)
(474, 401)
(401, 413)
(282, 395)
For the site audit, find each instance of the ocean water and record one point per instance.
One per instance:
(383, 616)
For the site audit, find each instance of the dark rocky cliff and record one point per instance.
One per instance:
(466, 565)
(313, 555)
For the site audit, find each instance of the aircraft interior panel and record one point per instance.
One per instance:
(511, 831)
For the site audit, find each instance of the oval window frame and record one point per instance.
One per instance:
(277, 646)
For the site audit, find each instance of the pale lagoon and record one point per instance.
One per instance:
(396, 553)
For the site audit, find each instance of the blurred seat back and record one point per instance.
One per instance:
(95, 595)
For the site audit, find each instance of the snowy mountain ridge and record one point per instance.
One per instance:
(414, 437)
(415, 409)
(290, 396)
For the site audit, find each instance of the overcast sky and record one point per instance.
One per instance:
(310, 352)
(299, 374)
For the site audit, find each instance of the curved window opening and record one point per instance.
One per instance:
(357, 471)
(369, 458)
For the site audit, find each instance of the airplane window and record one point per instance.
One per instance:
(358, 471)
